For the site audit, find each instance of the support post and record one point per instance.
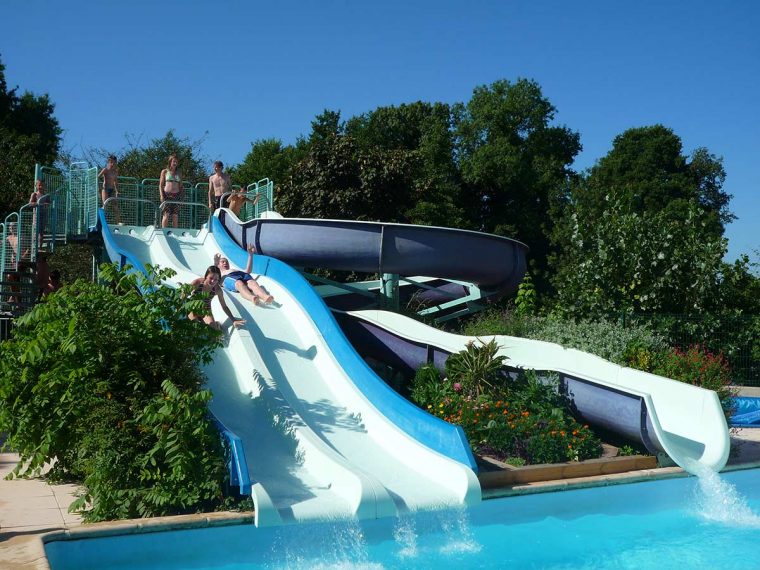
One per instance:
(389, 296)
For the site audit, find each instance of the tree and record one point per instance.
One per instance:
(641, 262)
(423, 129)
(127, 417)
(514, 164)
(338, 179)
(268, 158)
(647, 171)
(29, 134)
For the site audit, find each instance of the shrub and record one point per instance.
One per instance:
(699, 367)
(607, 339)
(631, 345)
(477, 368)
(522, 419)
(104, 382)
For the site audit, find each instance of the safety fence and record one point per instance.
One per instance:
(68, 209)
(737, 337)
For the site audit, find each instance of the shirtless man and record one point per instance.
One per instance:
(110, 175)
(218, 184)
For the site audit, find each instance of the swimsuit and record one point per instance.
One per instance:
(233, 277)
(219, 203)
(212, 293)
(172, 209)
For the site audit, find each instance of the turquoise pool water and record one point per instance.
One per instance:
(678, 523)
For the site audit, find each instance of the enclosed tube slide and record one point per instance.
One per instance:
(493, 263)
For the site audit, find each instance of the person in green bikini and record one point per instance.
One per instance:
(170, 190)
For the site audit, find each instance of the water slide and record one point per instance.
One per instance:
(319, 435)
(683, 421)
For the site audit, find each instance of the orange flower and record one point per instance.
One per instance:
(526, 414)
(562, 433)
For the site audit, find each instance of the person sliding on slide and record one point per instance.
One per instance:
(241, 280)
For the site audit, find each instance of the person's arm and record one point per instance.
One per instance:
(251, 248)
(161, 184)
(116, 181)
(33, 198)
(236, 321)
(210, 193)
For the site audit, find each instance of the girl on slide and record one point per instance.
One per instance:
(241, 280)
(209, 283)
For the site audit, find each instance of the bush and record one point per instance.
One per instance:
(699, 367)
(522, 419)
(634, 345)
(504, 431)
(477, 369)
(104, 382)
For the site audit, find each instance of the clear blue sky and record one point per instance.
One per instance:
(243, 70)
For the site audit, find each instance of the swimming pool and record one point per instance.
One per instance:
(675, 523)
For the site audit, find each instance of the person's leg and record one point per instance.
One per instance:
(165, 219)
(241, 288)
(259, 291)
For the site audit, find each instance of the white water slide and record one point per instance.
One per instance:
(683, 421)
(323, 437)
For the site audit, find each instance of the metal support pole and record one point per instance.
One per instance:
(389, 291)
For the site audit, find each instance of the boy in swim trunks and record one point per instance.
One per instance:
(242, 281)
(218, 184)
(110, 175)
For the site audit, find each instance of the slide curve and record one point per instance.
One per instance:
(683, 421)
(321, 435)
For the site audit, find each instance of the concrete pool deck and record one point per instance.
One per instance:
(31, 508)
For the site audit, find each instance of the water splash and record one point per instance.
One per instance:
(339, 545)
(405, 535)
(458, 532)
(718, 501)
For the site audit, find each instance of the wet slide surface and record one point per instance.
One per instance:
(323, 436)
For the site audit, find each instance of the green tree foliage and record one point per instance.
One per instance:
(641, 262)
(424, 130)
(339, 179)
(642, 231)
(268, 158)
(29, 133)
(104, 381)
(515, 164)
(647, 171)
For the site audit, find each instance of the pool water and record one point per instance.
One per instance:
(685, 523)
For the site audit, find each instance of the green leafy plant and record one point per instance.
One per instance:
(525, 303)
(477, 368)
(104, 382)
